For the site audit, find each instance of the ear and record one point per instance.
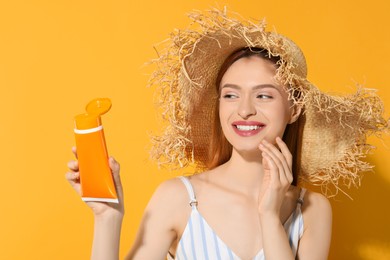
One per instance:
(295, 113)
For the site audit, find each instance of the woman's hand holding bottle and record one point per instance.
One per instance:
(98, 208)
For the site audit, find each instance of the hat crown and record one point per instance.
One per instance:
(297, 56)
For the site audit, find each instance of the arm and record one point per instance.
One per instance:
(316, 238)
(277, 178)
(108, 216)
(317, 212)
(158, 228)
(275, 241)
(108, 222)
(107, 230)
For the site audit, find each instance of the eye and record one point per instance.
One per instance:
(230, 96)
(264, 96)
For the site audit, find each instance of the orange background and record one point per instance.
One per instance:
(55, 56)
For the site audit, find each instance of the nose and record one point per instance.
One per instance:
(246, 109)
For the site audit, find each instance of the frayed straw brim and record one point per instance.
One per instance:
(334, 135)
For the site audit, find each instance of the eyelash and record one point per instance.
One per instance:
(234, 96)
(229, 96)
(264, 96)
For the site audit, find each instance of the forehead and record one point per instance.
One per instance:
(250, 69)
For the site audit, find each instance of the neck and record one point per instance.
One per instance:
(245, 170)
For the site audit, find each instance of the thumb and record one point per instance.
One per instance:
(115, 169)
(114, 165)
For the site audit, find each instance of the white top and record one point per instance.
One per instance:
(199, 241)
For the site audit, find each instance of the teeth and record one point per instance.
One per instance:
(247, 127)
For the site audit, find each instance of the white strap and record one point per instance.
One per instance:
(190, 190)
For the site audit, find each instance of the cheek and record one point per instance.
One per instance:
(278, 112)
(224, 111)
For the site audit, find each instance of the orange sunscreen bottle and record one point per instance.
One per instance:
(96, 180)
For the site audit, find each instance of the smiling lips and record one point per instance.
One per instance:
(247, 128)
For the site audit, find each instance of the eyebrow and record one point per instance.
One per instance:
(261, 86)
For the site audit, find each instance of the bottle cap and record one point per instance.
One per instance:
(98, 106)
(95, 109)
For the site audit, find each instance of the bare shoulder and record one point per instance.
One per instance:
(169, 194)
(315, 201)
(161, 222)
(168, 207)
(316, 208)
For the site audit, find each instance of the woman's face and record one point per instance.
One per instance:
(253, 105)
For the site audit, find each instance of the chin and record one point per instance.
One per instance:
(247, 149)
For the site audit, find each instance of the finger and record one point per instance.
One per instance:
(73, 165)
(72, 177)
(74, 180)
(114, 165)
(274, 153)
(279, 160)
(115, 169)
(74, 151)
(275, 165)
(285, 151)
(265, 162)
(288, 159)
(273, 169)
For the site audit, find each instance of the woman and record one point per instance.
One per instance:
(242, 110)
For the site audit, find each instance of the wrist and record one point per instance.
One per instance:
(109, 217)
(107, 232)
(269, 218)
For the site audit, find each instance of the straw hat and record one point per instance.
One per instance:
(334, 135)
